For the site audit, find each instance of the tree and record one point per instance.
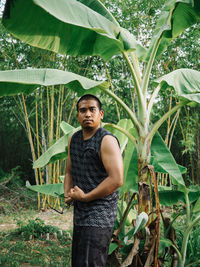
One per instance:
(88, 28)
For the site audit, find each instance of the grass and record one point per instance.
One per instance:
(16, 248)
(29, 241)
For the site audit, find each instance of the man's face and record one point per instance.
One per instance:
(89, 115)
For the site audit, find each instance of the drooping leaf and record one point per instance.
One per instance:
(162, 160)
(162, 157)
(47, 189)
(25, 81)
(186, 82)
(141, 222)
(168, 196)
(66, 127)
(196, 206)
(59, 149)
(176, 16)
(55, 152)
(70, 27)
(130, 167)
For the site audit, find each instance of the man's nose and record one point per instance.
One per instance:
(88, 113)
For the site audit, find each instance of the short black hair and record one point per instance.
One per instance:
(88, 97)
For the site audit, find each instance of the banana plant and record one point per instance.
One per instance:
(190, 202)
(86, 27)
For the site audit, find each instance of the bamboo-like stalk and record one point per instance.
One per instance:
(174, 123)
(37, 134)
(48, 127)
(61, 105)
(31, 144)
(111, 86)
(157, 125)
(168, 121)
(51, 129)
(43, 148)
(71, 110)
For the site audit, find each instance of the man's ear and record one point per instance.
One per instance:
(101, 113)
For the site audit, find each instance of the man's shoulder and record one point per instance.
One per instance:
(104, 131)
(108, 134)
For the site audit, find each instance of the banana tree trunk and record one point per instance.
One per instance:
(143, 176)
(146, 176)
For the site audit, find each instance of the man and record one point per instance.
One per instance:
(94, 171)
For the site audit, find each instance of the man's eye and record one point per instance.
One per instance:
(93, 109)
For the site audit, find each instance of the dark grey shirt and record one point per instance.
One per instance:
(87, 173)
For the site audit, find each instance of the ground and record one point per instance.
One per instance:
(26, 241)
(50, 217)
(21, 205)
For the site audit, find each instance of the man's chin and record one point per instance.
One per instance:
(88, 127)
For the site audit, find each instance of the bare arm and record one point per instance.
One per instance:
(112, 161)
(68, 177)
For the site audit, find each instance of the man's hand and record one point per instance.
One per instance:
(77, 194)
(68, 199)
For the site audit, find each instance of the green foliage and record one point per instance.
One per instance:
(16, 249)
(96, 22)
(48, 189)
(185, 82)
(193, 253)
(12, 179)
(35, 229)
(29, 80)
(82, 21)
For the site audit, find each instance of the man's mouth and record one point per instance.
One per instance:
(87, 120)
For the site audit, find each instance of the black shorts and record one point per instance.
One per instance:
(90, 246)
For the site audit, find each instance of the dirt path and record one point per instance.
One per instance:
(50, 217)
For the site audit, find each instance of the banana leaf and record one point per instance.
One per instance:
(58, 150)
(176, 16)
(162, 159)
(25, 81)
(168, 196)
(186, 82)
(47, 189)
(70, 27)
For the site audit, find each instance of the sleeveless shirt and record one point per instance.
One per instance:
(88, 172)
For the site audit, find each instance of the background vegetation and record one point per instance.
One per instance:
(45, 109)
(30, 125)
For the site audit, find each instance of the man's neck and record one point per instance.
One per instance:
(89, 132)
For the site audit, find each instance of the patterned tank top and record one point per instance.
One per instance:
(87, 173)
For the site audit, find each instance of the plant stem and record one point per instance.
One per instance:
(136, 67)
(151, 100)
(127, 109)
(131, 137)
(163, 118)
(185, 239)
(149, 66)
(187, 209)
(141, 100)
(193, 263)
